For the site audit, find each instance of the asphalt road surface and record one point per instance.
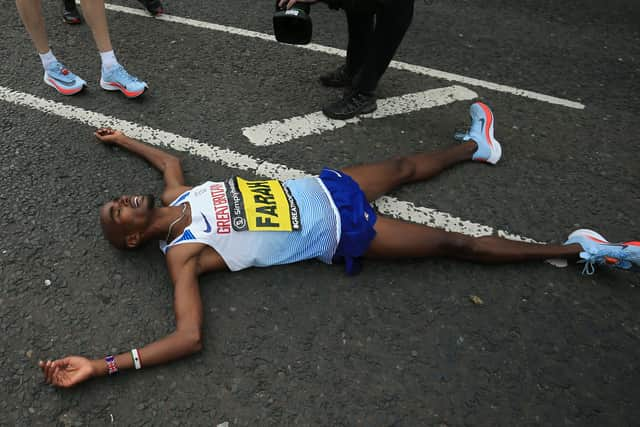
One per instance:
(401, 344)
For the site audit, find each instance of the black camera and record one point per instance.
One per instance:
(293, 26)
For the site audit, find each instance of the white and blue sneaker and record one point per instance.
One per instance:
(481, 132)
(61, 79)
(596, 250)
(117, 78)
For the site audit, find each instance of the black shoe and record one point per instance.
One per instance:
(339, 77)
(352, 104)
(153, 6)
(70, 13)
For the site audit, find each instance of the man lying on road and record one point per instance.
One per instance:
(236, 224)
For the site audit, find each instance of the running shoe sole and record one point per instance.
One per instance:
(340, 116)
(113, 86)
(494, 145)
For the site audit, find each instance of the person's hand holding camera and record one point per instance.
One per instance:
(290, 3)
(291, 21)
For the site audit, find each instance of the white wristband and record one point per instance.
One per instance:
(136, 358)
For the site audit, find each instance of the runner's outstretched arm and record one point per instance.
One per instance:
(166, 163)
(186, 339)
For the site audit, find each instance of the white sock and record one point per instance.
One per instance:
(108, 60)
(47, 59)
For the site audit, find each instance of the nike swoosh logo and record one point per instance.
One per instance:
(208, 229)
(62, 82)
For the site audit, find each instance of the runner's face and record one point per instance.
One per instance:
(125, 215)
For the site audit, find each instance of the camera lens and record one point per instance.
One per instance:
(293, 25)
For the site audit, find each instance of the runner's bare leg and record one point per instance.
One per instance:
(377, 179)
(31, 14)
(95, 15)
(401, 239)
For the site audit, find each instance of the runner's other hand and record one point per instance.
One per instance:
(67, 372)
(290, 3)
(108, 135)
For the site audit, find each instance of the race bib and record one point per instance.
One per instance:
(262, 206)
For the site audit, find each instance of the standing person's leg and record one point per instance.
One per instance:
(31, 14)
(56, 75)
(95, 15)
(360, 26)
(113, 77)
(392, 21)
(70, 13)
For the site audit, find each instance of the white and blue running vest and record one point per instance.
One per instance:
(318, 237)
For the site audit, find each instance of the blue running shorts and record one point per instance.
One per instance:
(357, 218)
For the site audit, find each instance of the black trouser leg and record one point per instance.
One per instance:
(393, 18)
(360, 26)
(69, 4)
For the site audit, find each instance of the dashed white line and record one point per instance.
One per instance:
(233, 159)
(280, 131)
(418, 69)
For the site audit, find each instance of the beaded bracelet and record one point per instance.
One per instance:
(111, 365)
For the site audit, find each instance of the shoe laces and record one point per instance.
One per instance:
(589, 266)
(120, 74)
(356, 99)
(58, 68)
(612, 255)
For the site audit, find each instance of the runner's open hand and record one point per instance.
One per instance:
(108, 135)
(67, 372)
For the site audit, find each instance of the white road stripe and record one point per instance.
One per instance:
(418, 69)
(280, 131)
(487, 85)
(233, 159)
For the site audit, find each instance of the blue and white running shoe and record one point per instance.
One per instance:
(481, 131)
(117, 78)
(61, 79)
(596, 250)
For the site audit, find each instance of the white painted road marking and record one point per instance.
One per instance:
(418, 69)
(280, 131)
(233, 159)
